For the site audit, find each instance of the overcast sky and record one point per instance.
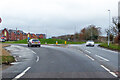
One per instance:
(56, 17)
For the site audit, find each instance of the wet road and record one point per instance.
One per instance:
(58, 62)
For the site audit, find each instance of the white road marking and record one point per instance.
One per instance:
(110, 50)
(90, 57)
(33, 52)
(20, 75)
(109, 71)
(37, 59)
(87, 51)
(102, 58)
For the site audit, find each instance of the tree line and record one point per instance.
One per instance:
(93, 32)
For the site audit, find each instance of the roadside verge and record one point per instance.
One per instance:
(114, 47)
(5, 55)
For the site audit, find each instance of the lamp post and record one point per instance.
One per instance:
(109, 30)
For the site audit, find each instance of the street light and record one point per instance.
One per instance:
(109, 30)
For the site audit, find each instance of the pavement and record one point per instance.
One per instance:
(73, 61)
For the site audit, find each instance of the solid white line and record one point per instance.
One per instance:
(102, 58)
(33, 52)
(87, 51)
(90, 57)
(109, 50)
(37, 59)
(109, 71)
(20, 75)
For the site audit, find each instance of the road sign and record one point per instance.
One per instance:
(0, 20)
(28, 35)
(5, 33)
(28, 38)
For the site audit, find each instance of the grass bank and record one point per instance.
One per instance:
(43, 41)
(111, 46)
(5, 56)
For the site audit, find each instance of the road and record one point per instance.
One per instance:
(70, 62)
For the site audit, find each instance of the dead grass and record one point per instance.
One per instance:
(5, 56)
(4, 52)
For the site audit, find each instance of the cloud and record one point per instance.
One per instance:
(56, 17)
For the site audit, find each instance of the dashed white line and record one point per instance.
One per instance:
(109, 71)
(20, 75)
(90, 57)
(87, 51)
(37, 59)
(33, 52)
(102, 58)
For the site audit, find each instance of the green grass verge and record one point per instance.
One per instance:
(49, 41)
(6, 59)
(111, 46)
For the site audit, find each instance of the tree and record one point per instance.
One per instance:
(113, 32)
(90, 33)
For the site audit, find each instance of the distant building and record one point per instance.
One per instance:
(41, 36)
(18, 35)
(102, 39)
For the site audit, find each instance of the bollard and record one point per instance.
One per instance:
(65, 42)
(56, 42)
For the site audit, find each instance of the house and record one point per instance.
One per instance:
(4, 33)
(41, 36)
(12, 35)
(102, 39)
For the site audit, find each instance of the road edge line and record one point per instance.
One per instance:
(109, 71)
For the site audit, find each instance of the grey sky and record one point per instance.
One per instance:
(56, 17)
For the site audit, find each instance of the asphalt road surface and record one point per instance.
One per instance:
(70, 62)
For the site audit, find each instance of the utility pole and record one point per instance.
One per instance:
(91, 33)
(75, 33)
(109, 30)
(16, 34)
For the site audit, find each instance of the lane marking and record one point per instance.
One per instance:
(90, 57)
(37, 59)
(102, 58)
(109, 71)
(87, 51)
(33, 52)
(21, 74)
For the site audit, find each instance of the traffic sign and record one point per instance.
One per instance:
(0, 20)
(5, 33)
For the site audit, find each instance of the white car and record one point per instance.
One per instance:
(90, 43)
(34, 42)
(2, 40)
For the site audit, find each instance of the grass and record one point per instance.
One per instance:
(5, 56)
(7, 59)
(111, 46)
(43, 41)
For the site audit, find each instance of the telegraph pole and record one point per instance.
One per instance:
(16, 34)
(109, 30)
(75, 33)
(91, 33)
